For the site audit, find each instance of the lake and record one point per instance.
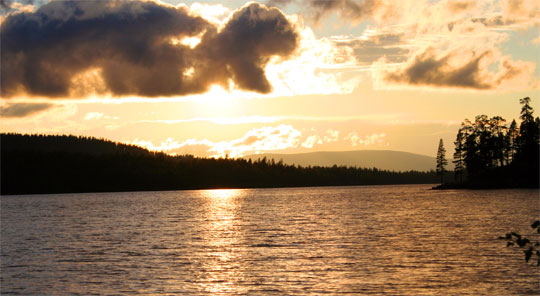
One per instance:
(371, 240)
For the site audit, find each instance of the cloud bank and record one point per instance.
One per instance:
(138, 48)
(456, 44)
(267, 138)
(427, 69)
(23, 109)
(350, 9)
(262, 139)
(454, 70)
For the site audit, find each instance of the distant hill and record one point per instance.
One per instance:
(381, 159)
(32, 164)
(11, 142)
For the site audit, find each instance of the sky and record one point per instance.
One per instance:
(216, 78)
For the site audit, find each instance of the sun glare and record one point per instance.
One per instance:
(219, 102)
(222, 193)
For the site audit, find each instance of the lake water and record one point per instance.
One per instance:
(373, 240)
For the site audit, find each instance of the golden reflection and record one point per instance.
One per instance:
(222, 193)
(222, 238)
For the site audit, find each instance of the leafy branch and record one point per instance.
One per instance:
(529, 247)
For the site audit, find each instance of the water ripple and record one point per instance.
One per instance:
(373, 240)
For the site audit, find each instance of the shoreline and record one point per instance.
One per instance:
(477, 187)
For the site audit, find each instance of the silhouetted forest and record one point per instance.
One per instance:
(492, 154)
(61, 164)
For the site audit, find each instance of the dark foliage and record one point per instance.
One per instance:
(529, 247)
(493, 155)
(32, 164)
(441, 161)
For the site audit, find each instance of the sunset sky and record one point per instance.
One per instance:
(212, 77)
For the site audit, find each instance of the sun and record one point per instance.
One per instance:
(218, 102)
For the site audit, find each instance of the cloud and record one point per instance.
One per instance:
(268, 138)
(457, 70)
(23, 109)
(332, 135)
(447, 44)
(373, 46)
(511, 14)
(374, 139)
(137, 48)
(451, 44)
(350, 9)
(517, 13)
(282, 137)
(215, 13)
(428, 69)
(347, 8)
(10, 6)
(98, 115)
(245, 45)
(320, 66)
(311, 141)
(521, 8)
(494, 21)
(460, 6)
(5, 5)
(93, 115)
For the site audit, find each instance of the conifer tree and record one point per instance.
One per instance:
(459, 164)
(511, 144)
(441, 161)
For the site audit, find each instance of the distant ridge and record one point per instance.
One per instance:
(381, 159)
(40, 164)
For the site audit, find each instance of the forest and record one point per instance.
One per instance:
(37, 164)
(489, 153)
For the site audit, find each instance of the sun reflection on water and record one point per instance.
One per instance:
(222, 238)
(222, 193)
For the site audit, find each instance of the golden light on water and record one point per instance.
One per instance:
(222, 193)
(222, 239)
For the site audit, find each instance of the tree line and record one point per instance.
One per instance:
(32, 164)
(491, 153)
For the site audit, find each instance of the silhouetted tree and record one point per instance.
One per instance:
(511, 144)
(441, 161)
(528, 139)
(497, 136)
(459, 164)
(494, 154)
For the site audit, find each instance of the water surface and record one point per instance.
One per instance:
(373, 240)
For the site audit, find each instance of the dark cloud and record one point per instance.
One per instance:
(130, 42)
(244, 46)
(509, 71)
(460, 6)
(427, 69)
(492, 22)
(495, 21)
(23, 109)
(351, 9)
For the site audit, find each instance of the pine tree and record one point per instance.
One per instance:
(511, 144)
(441, 161)
(459, 153)
(488, 149)
(527, 156)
